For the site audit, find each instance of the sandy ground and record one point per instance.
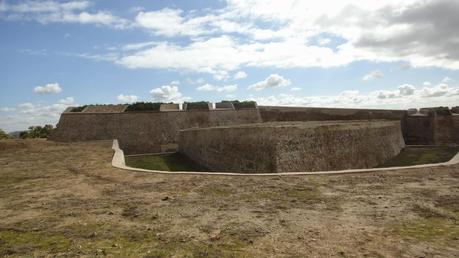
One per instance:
(66, 200)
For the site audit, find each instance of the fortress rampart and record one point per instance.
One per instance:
(293, 146)
(144, 132)
(158, 131)
(431, 129)
(276, 114)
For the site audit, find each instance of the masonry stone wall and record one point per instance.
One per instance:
(431, 129)
(446, 130)
(289, 147)
(273, 113)
(150, 132)
(418, 130)
(144, 132)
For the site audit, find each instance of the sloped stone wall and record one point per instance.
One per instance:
(277, 114)
(297, 146)
(144, 132)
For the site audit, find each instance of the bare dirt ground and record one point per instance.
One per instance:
(66, 200)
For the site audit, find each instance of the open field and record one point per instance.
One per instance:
(66, 200)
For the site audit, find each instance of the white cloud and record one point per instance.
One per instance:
(28, 114)
(48, 89)
(168, 93)
(295, 89)
(137, 46)
(61, 12)
(272, 81)
(446, 80)
(406, 89)
(224, 89)
(127, 98)
(169, 22)
(206, 87)
(7, 109)
(406, 96)
(219, 55)
(386, 31)
(373, 75)
(221, 75)
(228, 88)
(439, 90)
(324, 41)
(67, 101)
(224, 40)
(239, 75)
(403, 90)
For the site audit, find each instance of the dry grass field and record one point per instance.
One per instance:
(66, 200)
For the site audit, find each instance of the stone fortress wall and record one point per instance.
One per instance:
(431, 129)
(293, 146)
(152, 132)
(419, 127)
(144, 132)
(276, 114)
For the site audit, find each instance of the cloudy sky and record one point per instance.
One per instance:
(347, 53)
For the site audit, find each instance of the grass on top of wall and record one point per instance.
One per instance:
(164, 162)
(410, 156)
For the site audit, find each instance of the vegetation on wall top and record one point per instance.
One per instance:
(155, 106)
(442, 111)
(242, 104)
(199, 105)
(78, 109)
(143, 106)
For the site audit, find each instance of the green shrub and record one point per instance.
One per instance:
(4, 135)
(144, 106)
(200, 105)
(78, 109)
(442, 111)
(242, 104)
(37, 132)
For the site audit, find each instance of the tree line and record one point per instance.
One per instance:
(31, 132)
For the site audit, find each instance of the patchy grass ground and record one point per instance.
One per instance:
(66, 200)
(164, 162)
(410, 156)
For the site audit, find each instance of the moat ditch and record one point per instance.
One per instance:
(409, 156)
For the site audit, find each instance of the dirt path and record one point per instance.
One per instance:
(66, 200)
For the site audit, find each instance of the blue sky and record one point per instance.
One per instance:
(350, 53)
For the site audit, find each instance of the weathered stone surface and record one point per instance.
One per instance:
(169, 107)
(105, 108)
(293, 146)
(276, 114)
(144, 132)
(224, 105)
(431, 130)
